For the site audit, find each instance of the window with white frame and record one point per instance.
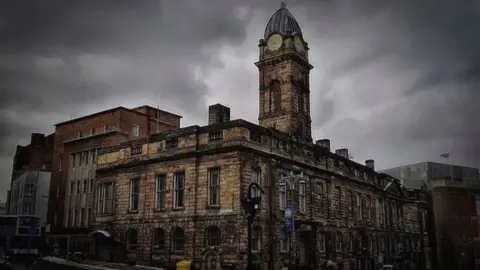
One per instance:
(134, 194)
(214, 187)
(27, 209)
(285, 241)
(302, 199)
(255, 178)
(135, 130)
(160, 187)
(30, 189)
(106, 198)
(178, 189)
(256, 239)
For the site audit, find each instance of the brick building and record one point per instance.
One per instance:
(76, 145)
(177, 194)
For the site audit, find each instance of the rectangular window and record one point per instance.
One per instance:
(134, 194)
(79, 134)
(83, 218)
(285, 242)
(106, 198)
(71, 218)
(27, 209)
(85, 186)
(78, 217)
(282, 196)
(135, 130)
(339, 201)
(90, 188)
(60, 164)
(214, 187)
(178, 189)
(72, 188)
(78, 159)
(302, 200)
(78, 187)
(359, 206)
(86, 158)
(30, 189)
(160, 195)
(256, 239)
(90, 217)
(255, 178)
(72, 160)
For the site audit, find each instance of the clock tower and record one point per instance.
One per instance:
(284, 77)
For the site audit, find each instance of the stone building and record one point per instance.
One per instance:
(178, 194)
(77, 142)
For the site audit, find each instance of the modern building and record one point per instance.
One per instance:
(178, 194)
(421, 174)
(453, 195)
(76, 145)
(28, 194)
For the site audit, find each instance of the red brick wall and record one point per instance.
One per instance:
(120, 118)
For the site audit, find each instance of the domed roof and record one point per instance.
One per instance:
(282, 22)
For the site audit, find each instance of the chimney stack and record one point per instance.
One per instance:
(342, 152)
(370, 163)
(218, 114)
(323, 143)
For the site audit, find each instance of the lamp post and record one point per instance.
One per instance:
(290, 183)
(251, 205)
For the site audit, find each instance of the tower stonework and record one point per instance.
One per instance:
(284, 77)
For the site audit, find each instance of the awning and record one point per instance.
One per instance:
(102, 232)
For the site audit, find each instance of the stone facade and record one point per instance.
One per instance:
(351, 212)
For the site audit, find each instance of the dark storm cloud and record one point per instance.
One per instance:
(420, 59)
(65, 58)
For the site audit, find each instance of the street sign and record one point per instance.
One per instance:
(289, 219)
(32, 231)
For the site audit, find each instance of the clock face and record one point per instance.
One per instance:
(298, 44)
(274, 42)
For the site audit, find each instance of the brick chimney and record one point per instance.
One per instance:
(342, 152)
(370, 163)
(323, 143)
(218, 114)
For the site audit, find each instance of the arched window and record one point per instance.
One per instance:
(213, 237)
(159, 240)
(178, 240)
(275, 96)
(131, 239)
(256, 239)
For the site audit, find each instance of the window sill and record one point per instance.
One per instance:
(177, 252)
(159, 210)
(133, 212)
(178, 208)
(213, 207)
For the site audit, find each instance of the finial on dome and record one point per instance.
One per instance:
(283, 5)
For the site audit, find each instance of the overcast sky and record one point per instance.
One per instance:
(392, 82)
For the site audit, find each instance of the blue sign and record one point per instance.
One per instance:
(288, 219)
(32, 231)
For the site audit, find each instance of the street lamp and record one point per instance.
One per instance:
(251, 205)
(290, 183)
